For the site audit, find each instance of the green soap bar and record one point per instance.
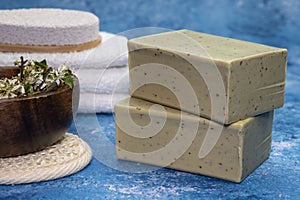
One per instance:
(230, 79)
(162, 136)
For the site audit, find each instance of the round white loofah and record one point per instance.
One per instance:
(66, 157)
(111, 52)
(45, 26)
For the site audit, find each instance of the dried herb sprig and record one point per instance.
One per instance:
(22, 66)
(35, 77)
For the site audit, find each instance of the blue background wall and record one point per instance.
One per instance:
(269, 21)
(272, 22)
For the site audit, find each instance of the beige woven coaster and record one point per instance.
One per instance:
(67, 157)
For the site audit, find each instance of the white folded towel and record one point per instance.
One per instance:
(111, 52)
(102, 71)
(99, 103)
(107, 81)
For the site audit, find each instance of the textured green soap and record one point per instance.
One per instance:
(166, 137)
(235, 79)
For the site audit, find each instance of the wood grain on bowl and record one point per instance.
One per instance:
(32, 123)
(8, 71)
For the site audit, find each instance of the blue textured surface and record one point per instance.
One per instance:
(269, 22)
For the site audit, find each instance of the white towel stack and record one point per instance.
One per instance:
(102, 71)
(104, 82)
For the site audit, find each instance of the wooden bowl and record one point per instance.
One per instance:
(29, 124)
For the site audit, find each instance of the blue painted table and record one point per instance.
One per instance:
(278, 177)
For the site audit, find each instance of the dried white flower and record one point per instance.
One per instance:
(34, 77)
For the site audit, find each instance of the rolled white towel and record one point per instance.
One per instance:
(107, 81)
(111, 52)
(99, 103)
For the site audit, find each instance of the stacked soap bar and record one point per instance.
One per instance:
(196, 83)
(240, 148)
(253, 75)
